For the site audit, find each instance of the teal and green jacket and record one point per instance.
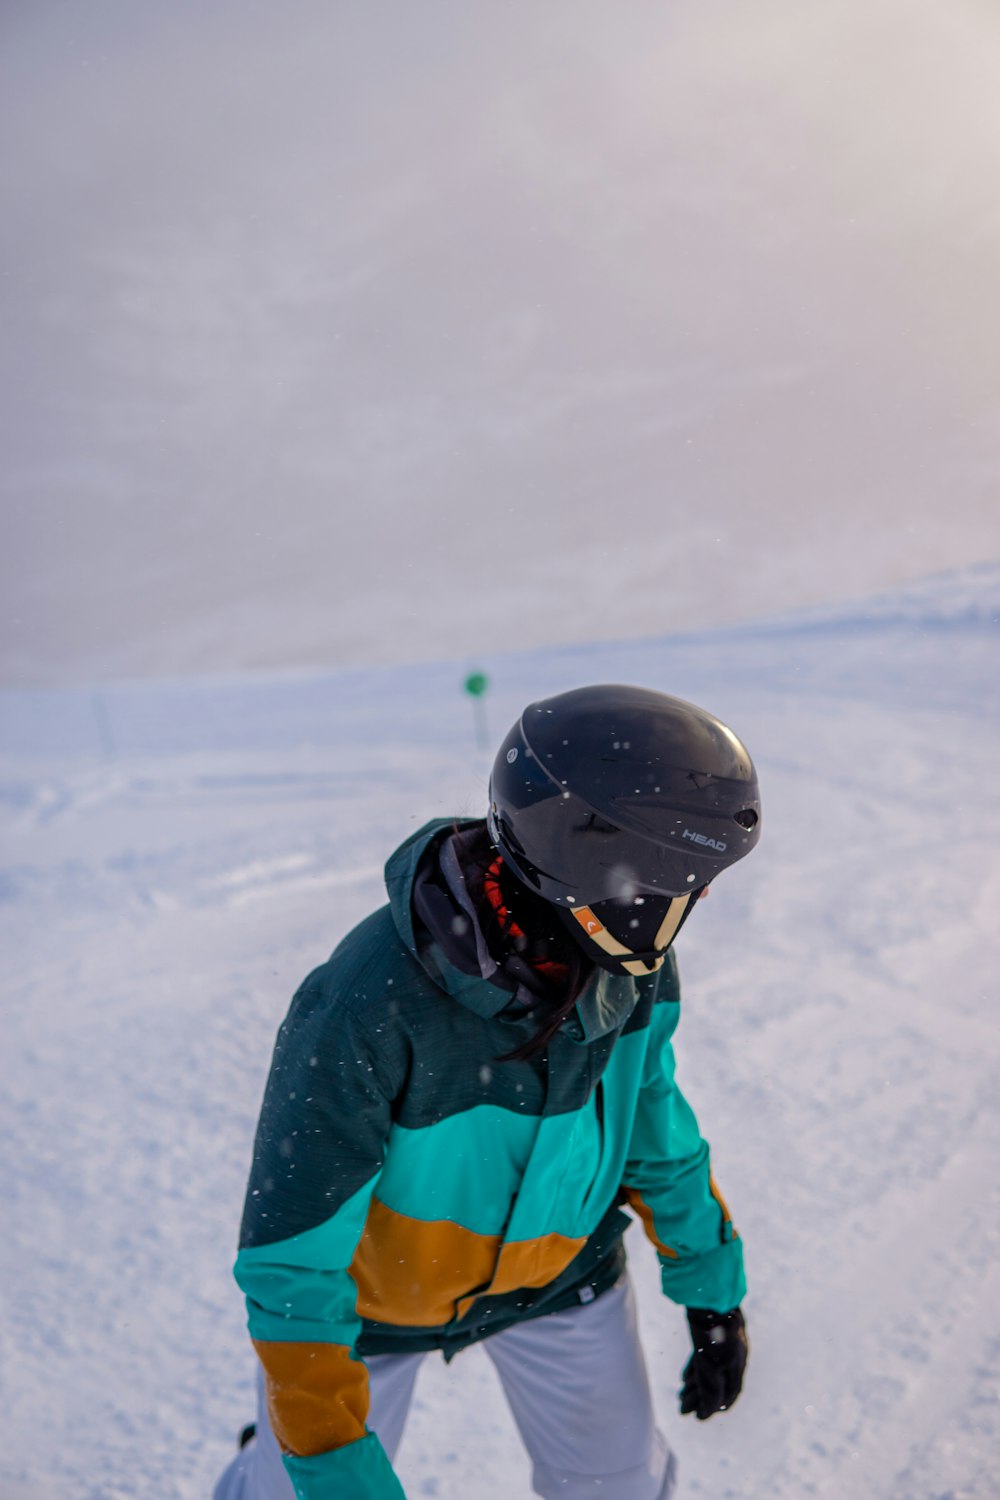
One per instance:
(410, 1191)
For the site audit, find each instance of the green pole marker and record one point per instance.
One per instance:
(476, 685)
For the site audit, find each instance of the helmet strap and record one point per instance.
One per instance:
(632, 961)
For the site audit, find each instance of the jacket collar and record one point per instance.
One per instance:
(465, 969)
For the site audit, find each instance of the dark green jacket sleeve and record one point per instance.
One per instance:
(318, 1153)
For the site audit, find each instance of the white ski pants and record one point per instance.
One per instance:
(576, 1383)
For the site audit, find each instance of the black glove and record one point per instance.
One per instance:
(714, 1374)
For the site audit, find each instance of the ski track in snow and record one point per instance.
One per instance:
(161, 898)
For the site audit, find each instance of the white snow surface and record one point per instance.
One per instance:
(179, 854)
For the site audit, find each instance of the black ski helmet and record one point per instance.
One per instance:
(607, 792)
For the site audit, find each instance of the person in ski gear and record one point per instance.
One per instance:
(465, 1098)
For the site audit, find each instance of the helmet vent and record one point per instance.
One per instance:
(596, 824)
(747, 818)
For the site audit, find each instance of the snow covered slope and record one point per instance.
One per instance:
(178, 855)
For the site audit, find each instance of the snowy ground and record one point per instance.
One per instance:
(179, 854)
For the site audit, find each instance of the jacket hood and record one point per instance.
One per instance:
(605, 1003)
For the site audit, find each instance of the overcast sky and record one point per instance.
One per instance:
(586, 319)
